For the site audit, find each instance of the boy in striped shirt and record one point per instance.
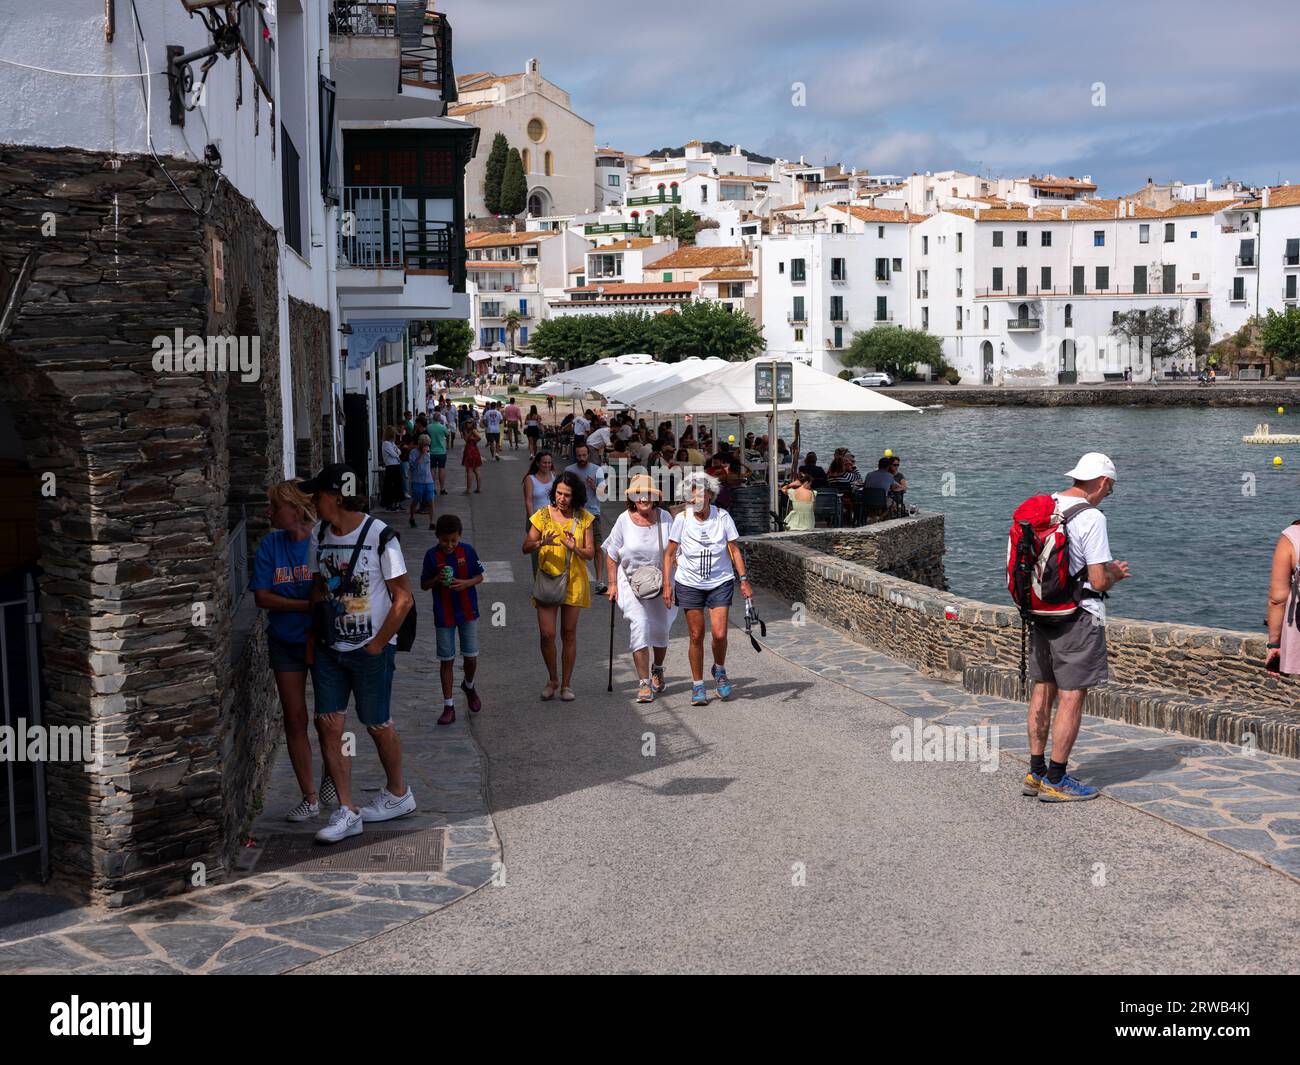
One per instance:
(452, 570)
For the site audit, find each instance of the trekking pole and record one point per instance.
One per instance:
(610, 686)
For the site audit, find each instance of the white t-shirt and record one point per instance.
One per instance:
(392, 453)
(368, 605)
(597, 474)
(492, 420)
(580, 425)
(625, 432)
(599, 438)
(702, 559)
(1089, 545)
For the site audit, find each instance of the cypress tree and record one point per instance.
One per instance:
(514, 187)
(496, 168)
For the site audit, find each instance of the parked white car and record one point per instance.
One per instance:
(874, 380)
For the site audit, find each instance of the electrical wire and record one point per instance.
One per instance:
(75, 74)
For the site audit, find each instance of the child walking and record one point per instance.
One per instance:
(452, 570)
(422, 491)
(470, 457)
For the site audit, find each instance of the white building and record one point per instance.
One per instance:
(515, 272)
(611, 179)
(556, 145)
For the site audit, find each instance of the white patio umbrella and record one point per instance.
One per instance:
(731, 391)
(525, 360)
(438, 367)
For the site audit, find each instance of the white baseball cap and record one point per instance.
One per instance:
(1093, 465)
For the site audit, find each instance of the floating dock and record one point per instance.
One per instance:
(1262, 435)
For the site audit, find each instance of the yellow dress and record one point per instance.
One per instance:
(551, 559)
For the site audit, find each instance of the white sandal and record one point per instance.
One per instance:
(548, 693)
(566, 695)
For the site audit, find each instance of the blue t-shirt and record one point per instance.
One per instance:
(281, 567)
(451, 608)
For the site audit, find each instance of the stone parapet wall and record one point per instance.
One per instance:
(909, 548)
(1137, 395)
(950, 634)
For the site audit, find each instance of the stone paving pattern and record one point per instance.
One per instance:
(264, 923)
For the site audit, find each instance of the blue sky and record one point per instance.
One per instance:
(1192, 90)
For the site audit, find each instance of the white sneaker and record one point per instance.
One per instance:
(343, 823)
(303, 811)
(387, 806)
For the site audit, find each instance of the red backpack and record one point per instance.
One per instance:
(1038, 560)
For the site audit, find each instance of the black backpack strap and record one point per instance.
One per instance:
(356, 549)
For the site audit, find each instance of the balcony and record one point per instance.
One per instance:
(883, 278)
(839, 279)
(1245, 262)
(662, 197)
(1032, 291)
(839, 319)
(1237, 297)
(381, 233)
(596, 230)
(1023, 325)
(881, 319)
(797, 317)
(1289, 261)
(390, 60)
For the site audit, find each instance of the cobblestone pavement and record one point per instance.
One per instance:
(1248, 802)
(270, 922)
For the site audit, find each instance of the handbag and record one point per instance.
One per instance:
(328, 610)
(551, 589)
(647, 582)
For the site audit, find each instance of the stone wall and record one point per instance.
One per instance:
(1119, 395)
(911, 549)
(309, 339)
(135, 540)
(952, 635)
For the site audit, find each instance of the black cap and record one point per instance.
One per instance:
(330, 479)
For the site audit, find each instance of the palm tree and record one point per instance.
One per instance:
(512, 319)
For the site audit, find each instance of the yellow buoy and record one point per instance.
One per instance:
(889, 452)
(1281, 410)
(1277, 460)
(731, 439)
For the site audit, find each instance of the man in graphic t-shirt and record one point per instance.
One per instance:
(357, 568)
(1069, 657)
(492, 426)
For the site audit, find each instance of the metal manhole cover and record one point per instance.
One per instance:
(371, 852)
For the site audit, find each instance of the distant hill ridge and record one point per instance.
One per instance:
(717, 147)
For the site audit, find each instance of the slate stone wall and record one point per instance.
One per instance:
(135, 541)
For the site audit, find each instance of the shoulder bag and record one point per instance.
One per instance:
(648, 581)
(551, 589)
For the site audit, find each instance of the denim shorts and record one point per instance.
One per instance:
(468, 640)
(689, 598)
(340, 675)
(422, 493)
(286, 657)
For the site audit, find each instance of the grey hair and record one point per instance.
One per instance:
(700, 479)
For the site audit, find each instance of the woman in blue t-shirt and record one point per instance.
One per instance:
(281, 585)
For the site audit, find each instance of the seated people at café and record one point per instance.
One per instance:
(900, 485)
(881, 480)
(815, 472)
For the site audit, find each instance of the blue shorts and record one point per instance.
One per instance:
(438, 462)
(286, 657)
(340, 675)
(689, 598)
(422, 493)
(468, 641)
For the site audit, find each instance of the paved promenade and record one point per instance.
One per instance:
(774, 832)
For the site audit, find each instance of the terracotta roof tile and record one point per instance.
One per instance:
(693, 258)
(456, 110)
(481, 239)
(727, 275)
(630, 288)
(631, 243)
(869, 214)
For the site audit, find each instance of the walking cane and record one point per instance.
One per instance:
(610, 686)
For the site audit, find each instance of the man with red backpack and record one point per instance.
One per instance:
(1059, 571)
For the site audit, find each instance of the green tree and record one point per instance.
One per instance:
(1280, 334)
(705, 328)
(897, 351)
(1158, 333)
(494, 172)
(677, 223)
(454, 338)
(512, 319)
(514, 186)
(559, 339)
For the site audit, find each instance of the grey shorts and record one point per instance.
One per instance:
(1071, 654)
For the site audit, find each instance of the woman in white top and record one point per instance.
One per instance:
(637, 542)
(537, 483)
(703, 558)
(392, 489)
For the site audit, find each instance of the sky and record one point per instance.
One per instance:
(1120, 91)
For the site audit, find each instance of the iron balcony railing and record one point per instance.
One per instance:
(380, 230)
(597, 229)
(662, 197)
(1024, 323)
(1246, 261)
(425, 37)
(888, 316)
(1113, 290)
(1290, 260)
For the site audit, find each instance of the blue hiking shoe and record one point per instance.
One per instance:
(699, 697)
(1033, 783)
(1068, 790)
(724, 685)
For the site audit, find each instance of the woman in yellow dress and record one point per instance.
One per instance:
(558, 533)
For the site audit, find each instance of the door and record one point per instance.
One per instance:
(1068, 374)
(986, 354)
(1022, 281)
(1079, 288)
